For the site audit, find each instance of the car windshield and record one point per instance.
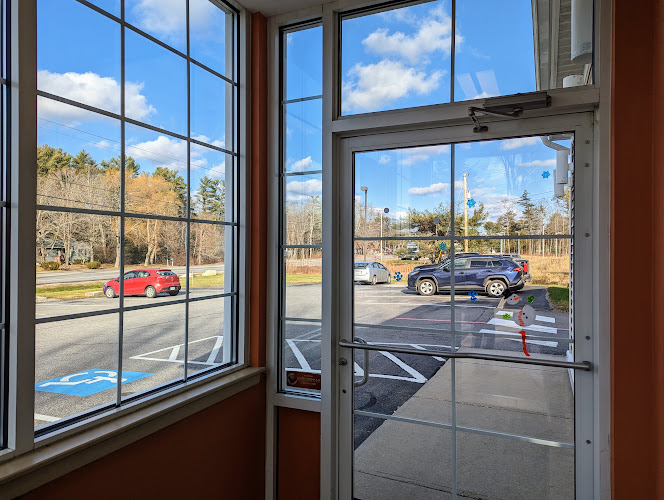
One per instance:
(361, 264)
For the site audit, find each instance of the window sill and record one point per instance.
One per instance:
(30, 470)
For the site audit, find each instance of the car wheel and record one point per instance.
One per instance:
(426, 287)
(110, 293)
(389, 279)
(495, 288)
(173, 293)
(150, 292)
(374, 280)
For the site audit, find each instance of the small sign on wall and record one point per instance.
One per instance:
(303, 380)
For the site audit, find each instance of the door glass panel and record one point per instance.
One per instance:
(505, 208)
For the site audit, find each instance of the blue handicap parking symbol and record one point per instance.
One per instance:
(87, 382)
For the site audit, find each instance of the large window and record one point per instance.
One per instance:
(137, 233)
(455, 50)
(301, 224)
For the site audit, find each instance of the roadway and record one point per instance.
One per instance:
(79, 276)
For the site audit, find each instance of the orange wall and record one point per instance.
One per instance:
(298, 455)
(637, 355)
(216, 453)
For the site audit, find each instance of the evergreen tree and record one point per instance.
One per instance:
(113, 165)
(178, 183)
(50, 160)
(210, 196)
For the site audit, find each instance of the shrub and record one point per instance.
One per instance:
(78, 261)
(95, 264)
(50, 265)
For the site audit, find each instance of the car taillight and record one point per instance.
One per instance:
(525, 267)
(516, 269)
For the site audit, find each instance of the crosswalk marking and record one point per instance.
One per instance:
(545, 319)
(510, 324)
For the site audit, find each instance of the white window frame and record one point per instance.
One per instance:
(91, 438)
(587, 99)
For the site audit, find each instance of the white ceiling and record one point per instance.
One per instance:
(273, 7)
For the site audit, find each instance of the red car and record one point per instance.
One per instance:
(148, 282)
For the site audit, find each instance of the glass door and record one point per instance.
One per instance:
(465, 274)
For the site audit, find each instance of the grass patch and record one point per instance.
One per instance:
(68, 292)
(303, 278)
(558, 297)
(199, 281)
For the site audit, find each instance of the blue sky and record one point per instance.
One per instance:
(399, 59)
(79, 58)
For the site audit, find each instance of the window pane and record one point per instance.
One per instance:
(78, 157)
(156, 82)
(304, 63)
(156, 173)
(153, 344)
(301, 359)
(413, 184)
(76, 363)
(304, 210)
(211, 108)
(79, 56)
(304, 277)
(511, 189)
(211, 172)
(208, 346)
(165, 21)
(304, 136)
(495, 56)
(396, 59)
(77, 257)
(151, 245)
(210, 264)
(211, 28)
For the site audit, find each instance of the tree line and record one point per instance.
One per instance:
(78, 181)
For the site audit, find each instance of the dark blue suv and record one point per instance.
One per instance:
(495, 275)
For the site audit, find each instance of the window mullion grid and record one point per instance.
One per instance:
(453, 312)
(188, 243)
(118, 399)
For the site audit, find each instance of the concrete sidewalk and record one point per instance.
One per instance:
(403, 460)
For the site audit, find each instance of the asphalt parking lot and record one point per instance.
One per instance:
(85, 349)
(393, 378)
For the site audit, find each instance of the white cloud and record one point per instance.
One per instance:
(415, 155)
(163, 151)
(302, 190)
(434, 34)
(385, 160)
(439, 187)
(166, 18)
(377, 85)
(538, 163)
(204, 138)
(103, 144)
(89, 88)
(518, 143)
(302, 165)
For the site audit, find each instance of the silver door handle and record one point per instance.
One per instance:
(576, 365)
(365, 377)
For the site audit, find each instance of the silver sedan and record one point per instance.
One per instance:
(371, 272)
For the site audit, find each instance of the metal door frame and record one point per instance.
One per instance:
(586, 296)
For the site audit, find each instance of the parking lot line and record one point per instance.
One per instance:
(510, 324)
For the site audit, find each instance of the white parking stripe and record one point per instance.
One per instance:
(46, 418)
(298, 355)
(510, 324)
(537, 342)
(546, 319)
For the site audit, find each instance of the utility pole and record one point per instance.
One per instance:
(364, 244)
(465, 212)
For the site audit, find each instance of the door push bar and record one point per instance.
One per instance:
(365, 376)
(575, 365)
